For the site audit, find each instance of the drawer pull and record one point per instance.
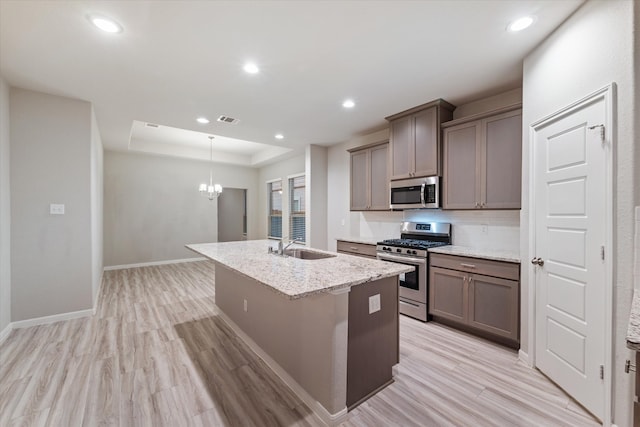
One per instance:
(353, 248)
(462, 264)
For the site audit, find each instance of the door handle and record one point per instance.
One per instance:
(537, 261)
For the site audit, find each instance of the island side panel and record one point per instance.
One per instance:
(307, 337)
(373, 339)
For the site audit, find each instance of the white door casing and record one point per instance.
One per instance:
(571, 212)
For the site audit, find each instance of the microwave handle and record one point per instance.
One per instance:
(424, 184)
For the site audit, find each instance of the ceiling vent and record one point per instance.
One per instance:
(152, 125)
(227, 119)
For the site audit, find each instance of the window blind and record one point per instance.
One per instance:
(274, 192)
(297, 208)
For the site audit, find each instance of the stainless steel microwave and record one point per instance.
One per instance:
(416, 193)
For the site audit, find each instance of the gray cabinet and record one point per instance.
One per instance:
(482, 159)
(478, 295)
(359, 249)
(415, 140)
(636, 405)
(369, 178)
(448, 294)
(373, 346)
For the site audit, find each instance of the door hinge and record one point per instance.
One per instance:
(602, 252)
(601, 372)
(601, 131)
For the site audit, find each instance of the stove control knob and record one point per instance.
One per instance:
(412, 252)
(398, 250)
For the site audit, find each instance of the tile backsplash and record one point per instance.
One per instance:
(497, 230)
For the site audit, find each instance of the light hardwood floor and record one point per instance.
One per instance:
(157, 354)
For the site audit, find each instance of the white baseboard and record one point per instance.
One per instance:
(51, 319)
(524, 357)
(148, 264)
(327, 417)
(5, 332)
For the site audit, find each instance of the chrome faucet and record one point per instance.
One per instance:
(282, 247)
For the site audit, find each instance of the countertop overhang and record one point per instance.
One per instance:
(293, 277)
(490, 254)
(633, 328)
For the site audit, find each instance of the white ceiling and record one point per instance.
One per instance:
(178, 60)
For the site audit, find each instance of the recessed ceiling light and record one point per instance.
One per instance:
(521, 23)
(348, 103)
(202, 120)
(279, 136)
(251, 68)
(105, 24)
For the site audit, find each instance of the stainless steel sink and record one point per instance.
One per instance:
(306, 254)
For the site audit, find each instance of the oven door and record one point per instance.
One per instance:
(413, 286)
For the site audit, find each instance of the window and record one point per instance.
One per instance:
(297, 207)
(274, 192)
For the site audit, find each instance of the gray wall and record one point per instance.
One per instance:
(5, 209)
(152, 206)
(97, 197)
(279, 170)
(590, 50)
(50, 163)
(316, 194)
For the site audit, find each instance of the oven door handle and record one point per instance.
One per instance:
(402, 259)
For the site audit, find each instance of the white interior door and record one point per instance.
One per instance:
(570, 237)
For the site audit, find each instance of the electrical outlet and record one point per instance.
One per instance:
(56, 209)
(374, 303)
(485, 228)
(245, 305)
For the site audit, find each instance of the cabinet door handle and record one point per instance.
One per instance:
(477, 205)
(462, 264)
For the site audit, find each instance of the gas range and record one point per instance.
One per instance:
(412, 247)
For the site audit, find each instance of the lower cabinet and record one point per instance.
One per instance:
(360, 249)
(636, 400)
(479, 295)
(373, 347)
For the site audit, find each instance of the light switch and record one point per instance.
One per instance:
(374, 303)
(56, 209)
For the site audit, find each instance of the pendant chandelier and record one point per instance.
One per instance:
(212, 190)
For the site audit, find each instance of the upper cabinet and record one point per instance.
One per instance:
(369, 178)
(483, 161)
(414, 146)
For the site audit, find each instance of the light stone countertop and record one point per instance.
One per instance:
(363, 240)
(293, 277)
(478, 253)
(633, 330)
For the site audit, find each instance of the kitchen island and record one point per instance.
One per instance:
(327, 326)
